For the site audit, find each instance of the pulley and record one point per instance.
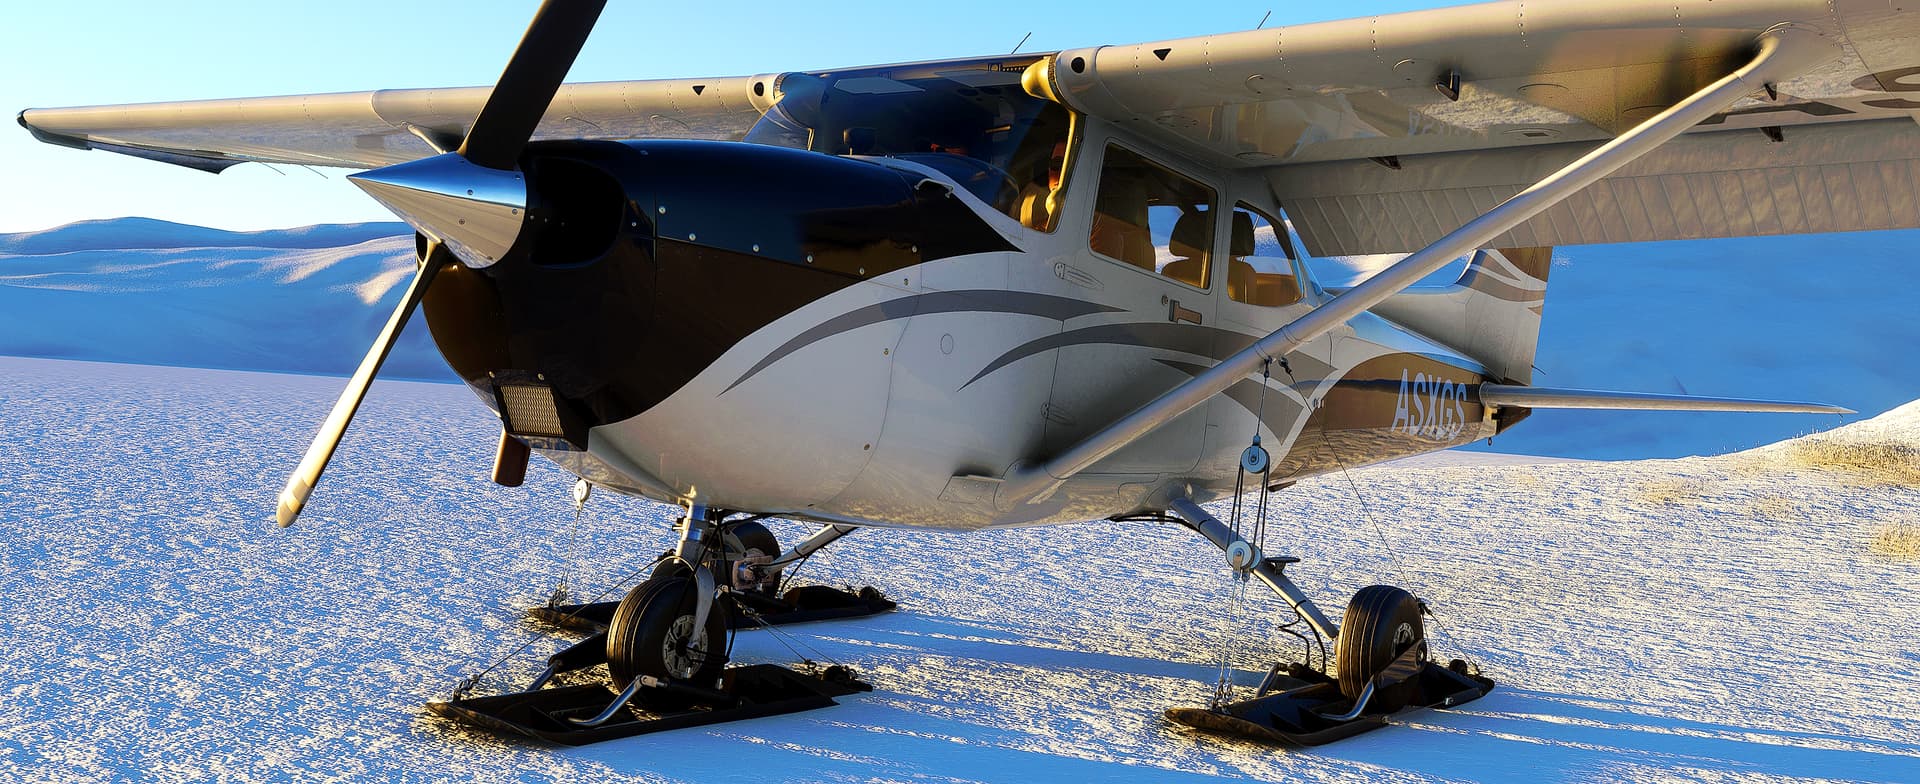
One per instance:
(1255, 459)
(1240, 556)
(582, 490)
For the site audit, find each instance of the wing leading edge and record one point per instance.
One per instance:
(382, 127)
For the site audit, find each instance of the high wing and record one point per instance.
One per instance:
(365, 130)
(1378, 134)
(1362, 141)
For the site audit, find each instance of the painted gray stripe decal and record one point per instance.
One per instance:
(980, 301)
(1172, 337)
(1500, 289)
(1199, 341)
(1277, 412)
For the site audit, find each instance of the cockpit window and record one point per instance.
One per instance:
(1153, 217)
(978, 127)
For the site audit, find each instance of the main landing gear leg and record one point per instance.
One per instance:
(1381, 668)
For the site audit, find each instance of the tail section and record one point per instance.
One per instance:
(1491, 314)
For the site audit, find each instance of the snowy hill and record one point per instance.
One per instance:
(135, 290)
(1824, 317)
(150, 234)
(1726, 619)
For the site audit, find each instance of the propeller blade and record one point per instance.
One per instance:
(300, 484)
(527, 86)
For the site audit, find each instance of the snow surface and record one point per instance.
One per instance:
(1705, 619)
(1828, 318)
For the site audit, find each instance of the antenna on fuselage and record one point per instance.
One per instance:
(1023, 42)
(1263, 19)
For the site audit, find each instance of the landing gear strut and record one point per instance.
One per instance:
(665, 645)
(1381, 668)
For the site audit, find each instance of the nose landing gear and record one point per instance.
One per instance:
(665, 645)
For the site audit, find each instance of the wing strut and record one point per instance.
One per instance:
(1783, 52)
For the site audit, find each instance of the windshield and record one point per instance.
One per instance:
(976, 126)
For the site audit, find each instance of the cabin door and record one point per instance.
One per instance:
(1150, 239)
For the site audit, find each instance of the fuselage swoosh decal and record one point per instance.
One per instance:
(1211, 342)
(980, 301)
(1275, 408)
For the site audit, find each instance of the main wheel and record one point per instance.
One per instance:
(652, 634)
(742, 541)
(1381, 623)
(748, 540)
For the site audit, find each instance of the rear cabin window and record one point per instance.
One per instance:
(1149, 216)
(1260, 261)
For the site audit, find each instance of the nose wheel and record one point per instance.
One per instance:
(652, 633)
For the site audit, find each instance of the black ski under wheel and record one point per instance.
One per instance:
(1381, 623)
(651, 633)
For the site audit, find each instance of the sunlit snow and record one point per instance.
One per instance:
(1719, 619)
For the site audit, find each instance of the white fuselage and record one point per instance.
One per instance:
(900, 400)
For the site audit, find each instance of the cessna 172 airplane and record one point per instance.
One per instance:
(1045, 288)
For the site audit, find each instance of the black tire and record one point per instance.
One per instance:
(1381, 623)
(747, 539)
(669, 566)
(740, 540)
(648, 636)
(754, 536)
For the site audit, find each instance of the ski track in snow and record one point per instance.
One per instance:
(1710, 619)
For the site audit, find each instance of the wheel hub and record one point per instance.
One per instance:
(682, 649)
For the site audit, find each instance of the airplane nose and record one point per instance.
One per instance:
(638, 265)
(476, 211)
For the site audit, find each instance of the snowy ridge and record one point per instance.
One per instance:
(150, 234)
(134, 290)
(1900, 427)
(1660, 620)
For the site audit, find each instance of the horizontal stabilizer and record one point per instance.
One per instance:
(1547, 397)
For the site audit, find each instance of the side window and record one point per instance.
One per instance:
(1260, 261)
(1152, 217)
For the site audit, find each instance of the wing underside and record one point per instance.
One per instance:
(1382, 134)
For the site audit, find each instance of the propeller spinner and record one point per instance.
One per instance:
(470, 204)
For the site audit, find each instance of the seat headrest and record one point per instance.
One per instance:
(1194, 231)
(1242, 234)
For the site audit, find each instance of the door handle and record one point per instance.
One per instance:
(1176, 313)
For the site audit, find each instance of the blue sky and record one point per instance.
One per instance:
(117, 51)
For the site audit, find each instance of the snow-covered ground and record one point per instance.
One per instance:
(1716, 619)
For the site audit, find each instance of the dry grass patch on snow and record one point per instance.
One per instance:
(1879, 461)
(1673, 490)
(1898, 540)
